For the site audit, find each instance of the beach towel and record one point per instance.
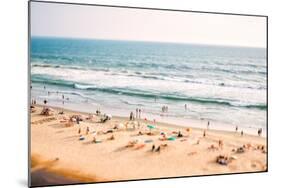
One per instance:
(148, 141)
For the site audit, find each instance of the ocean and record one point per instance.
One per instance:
(221, 84)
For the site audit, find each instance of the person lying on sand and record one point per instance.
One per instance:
(139, 146)
(212, 147)
(132, 143)
(163, 137)
(111, 137)
(222, 160)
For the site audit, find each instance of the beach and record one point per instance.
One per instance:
(58, 149)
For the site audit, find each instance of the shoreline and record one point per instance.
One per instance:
(194, 124)
(73, 160)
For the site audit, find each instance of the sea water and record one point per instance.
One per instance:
(197, 82)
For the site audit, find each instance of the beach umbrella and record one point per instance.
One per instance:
(151, 126)
(172, 138)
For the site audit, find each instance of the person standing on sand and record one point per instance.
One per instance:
(236, 128)
(260, 131)
(131, 116)
(45, 101)
(242, 133)
(137, 112)
(204, 133)
(208, 125)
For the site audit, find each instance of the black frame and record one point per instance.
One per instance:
(145, 8)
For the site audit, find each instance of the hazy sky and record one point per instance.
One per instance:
(78, 21)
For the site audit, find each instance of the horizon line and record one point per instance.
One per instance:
(169, 42)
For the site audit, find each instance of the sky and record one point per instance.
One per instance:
(79, 21)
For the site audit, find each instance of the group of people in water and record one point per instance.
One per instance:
(45, 101)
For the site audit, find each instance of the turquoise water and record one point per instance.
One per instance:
(217, 83)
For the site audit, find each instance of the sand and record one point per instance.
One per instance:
(59, 156)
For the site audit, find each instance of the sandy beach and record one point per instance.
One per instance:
(122, 149)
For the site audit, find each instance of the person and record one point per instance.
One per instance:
(77, 120)
(236, 128)
(179, 134)
(221, 144)
(208, 125)
(158, 149)
(97, 112)
(87, 130)
(30, 86)
(260, 131)
(185, 107)
(111, 137)
(44, 87)
(62, 96)
(242, 133)
(137, 112)
(153, 147)
(45, 101)
(131, 116)
(204, 133)
(79, 130)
